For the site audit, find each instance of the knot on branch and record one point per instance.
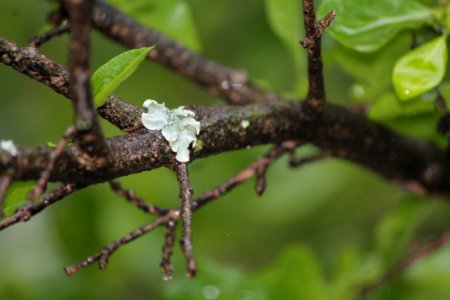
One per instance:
(315, 30)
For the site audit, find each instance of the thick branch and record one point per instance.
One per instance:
(234, 85)
(29, 61)
(341, 133)
(414, 163)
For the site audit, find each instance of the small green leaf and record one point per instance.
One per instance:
(420, 69)
(110, 75)
(17, 196)
(368, 25)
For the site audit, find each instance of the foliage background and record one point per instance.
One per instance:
(319, 232)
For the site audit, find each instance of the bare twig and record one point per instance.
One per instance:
(170, 217)
(186, 214)
(167, 249)
(41, 184)
(262, 163)
(89, 138)
(5, 181)
(415, 255)
(39, 40)
(103, 255)
(131, 197)
(26, 212)
(443, 125)
(312, 42)
(295, 162)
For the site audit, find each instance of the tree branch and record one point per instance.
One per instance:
(416, 164)
(415, 255)
(186, 213)
(89, 137)
(233, 85)
(312, 43)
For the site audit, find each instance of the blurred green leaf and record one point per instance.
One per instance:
(389, 107)
(420, 69)
(296, 275)
(171, 17)
(17, 196)
(395, 230)
(432, 272)
(286, 21)
(223, 281)
(368, 25)
(369, 70)
(110, 75)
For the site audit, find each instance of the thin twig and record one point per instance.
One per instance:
(5, 181)
(28, 211)
(89, 138)
(186, 213)
(259, 166)
(131, 197)
(39, 40)
(312, 42)
(167, 249)
(170, 217)
(406, 263)
(443, 125)
(295, 162)
(103, 255)
(41, 184)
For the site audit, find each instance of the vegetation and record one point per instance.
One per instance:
(320, 167)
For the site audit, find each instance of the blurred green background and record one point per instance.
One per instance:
(319, 232)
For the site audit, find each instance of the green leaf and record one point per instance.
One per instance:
(389, 107)
(420, 69)
(368, 25)
(286, 21)
(171, 17)
(110, 75)
(296, 275)
(395, 230)
(17, 196)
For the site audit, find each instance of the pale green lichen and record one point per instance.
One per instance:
(198, 146)
(245, 123)
(178, 126)
(9, 146)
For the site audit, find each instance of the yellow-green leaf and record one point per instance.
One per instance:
(17, 196)
(110, 75)
(421, 69)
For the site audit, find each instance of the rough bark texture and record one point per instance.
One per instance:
(417, 164)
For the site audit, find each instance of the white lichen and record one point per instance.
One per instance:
(178, 126)
(245, 123)
(8, 146)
